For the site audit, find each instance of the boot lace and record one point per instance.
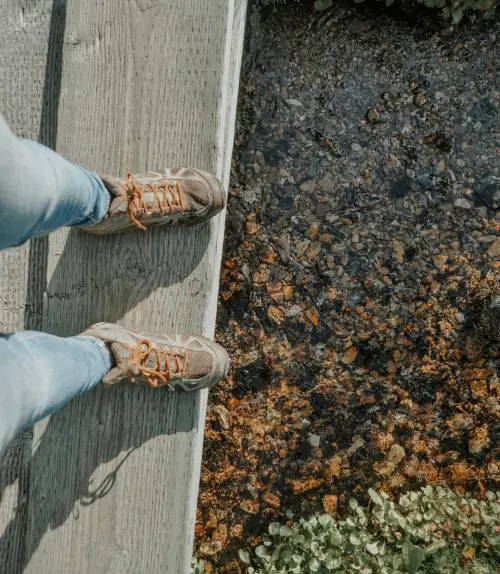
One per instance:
(167, 199)
(169, 363)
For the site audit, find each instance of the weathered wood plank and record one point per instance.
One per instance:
(146, 84)
(24, 31)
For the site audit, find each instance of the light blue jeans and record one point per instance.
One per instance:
(39, 193)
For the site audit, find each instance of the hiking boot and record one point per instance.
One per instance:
(179, 362)
(173, 195)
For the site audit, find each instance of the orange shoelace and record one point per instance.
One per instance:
(162, 205)
(167, 364)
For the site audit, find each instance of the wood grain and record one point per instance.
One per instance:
(24, 32)
(145, 84)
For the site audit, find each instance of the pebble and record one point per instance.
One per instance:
(494, 250)
(308, 186)
(314, 440)
(488, 190)
(373, 116)
(440, 167)
(462, 203)
(294, 103)
(322, 209)
(440, 261)
(327, 183)
(419, 100)
(356, 147)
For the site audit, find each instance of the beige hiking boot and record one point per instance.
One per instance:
(173, 195)
(179, 362)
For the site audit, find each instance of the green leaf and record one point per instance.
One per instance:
(322, 4)
(434, 547)
(261, 551)
(376, 498)
(354, 540)
(244, 556)
(274, 528)
(325, 520)
(372, 548)
(353, 504)
(336, 538)
(413, 556)
(457, 15)
(285, 532)
(297, 558)
(314, 565)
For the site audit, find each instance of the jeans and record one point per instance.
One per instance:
(39, 193)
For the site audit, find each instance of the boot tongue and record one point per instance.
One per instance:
(119, 194)
(121, 368)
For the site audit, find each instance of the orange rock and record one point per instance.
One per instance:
(312, 316)
(331, 294)
(275, 314)
(210, 548)
(383, 467)
(313, 231)
(268, 255)
(440, 261)
(399, 250)
(252, 227)
(333, 468)
(212, 521)
(479, 439)
(396, 454)
(236, 530)
(304, 484)
(326, 238)
(220, 534)
(459, 472)
(250, 506)
(314, 250)
(494, 250)
(367, 399)
(330, 502)
(473, 346)
(271, 500)
(258, 427)
(349, 356)
(392, 367)
(478, 389)
(478, 374)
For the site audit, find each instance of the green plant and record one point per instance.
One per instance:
(197, 566)
(431, 531)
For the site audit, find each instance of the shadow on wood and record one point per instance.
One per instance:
(105, 278)
(115, 439)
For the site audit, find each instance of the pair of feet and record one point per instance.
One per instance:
(181, 362)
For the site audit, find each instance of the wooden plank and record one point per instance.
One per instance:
(24, 32)
(146, 84)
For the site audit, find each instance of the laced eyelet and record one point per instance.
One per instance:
(167, 199)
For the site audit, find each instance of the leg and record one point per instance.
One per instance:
(40, 191)
(41, 373)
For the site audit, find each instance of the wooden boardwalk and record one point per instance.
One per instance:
(109, 485)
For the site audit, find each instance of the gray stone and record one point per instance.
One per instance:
(294, 103)
(462, 203)
(327, 183)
